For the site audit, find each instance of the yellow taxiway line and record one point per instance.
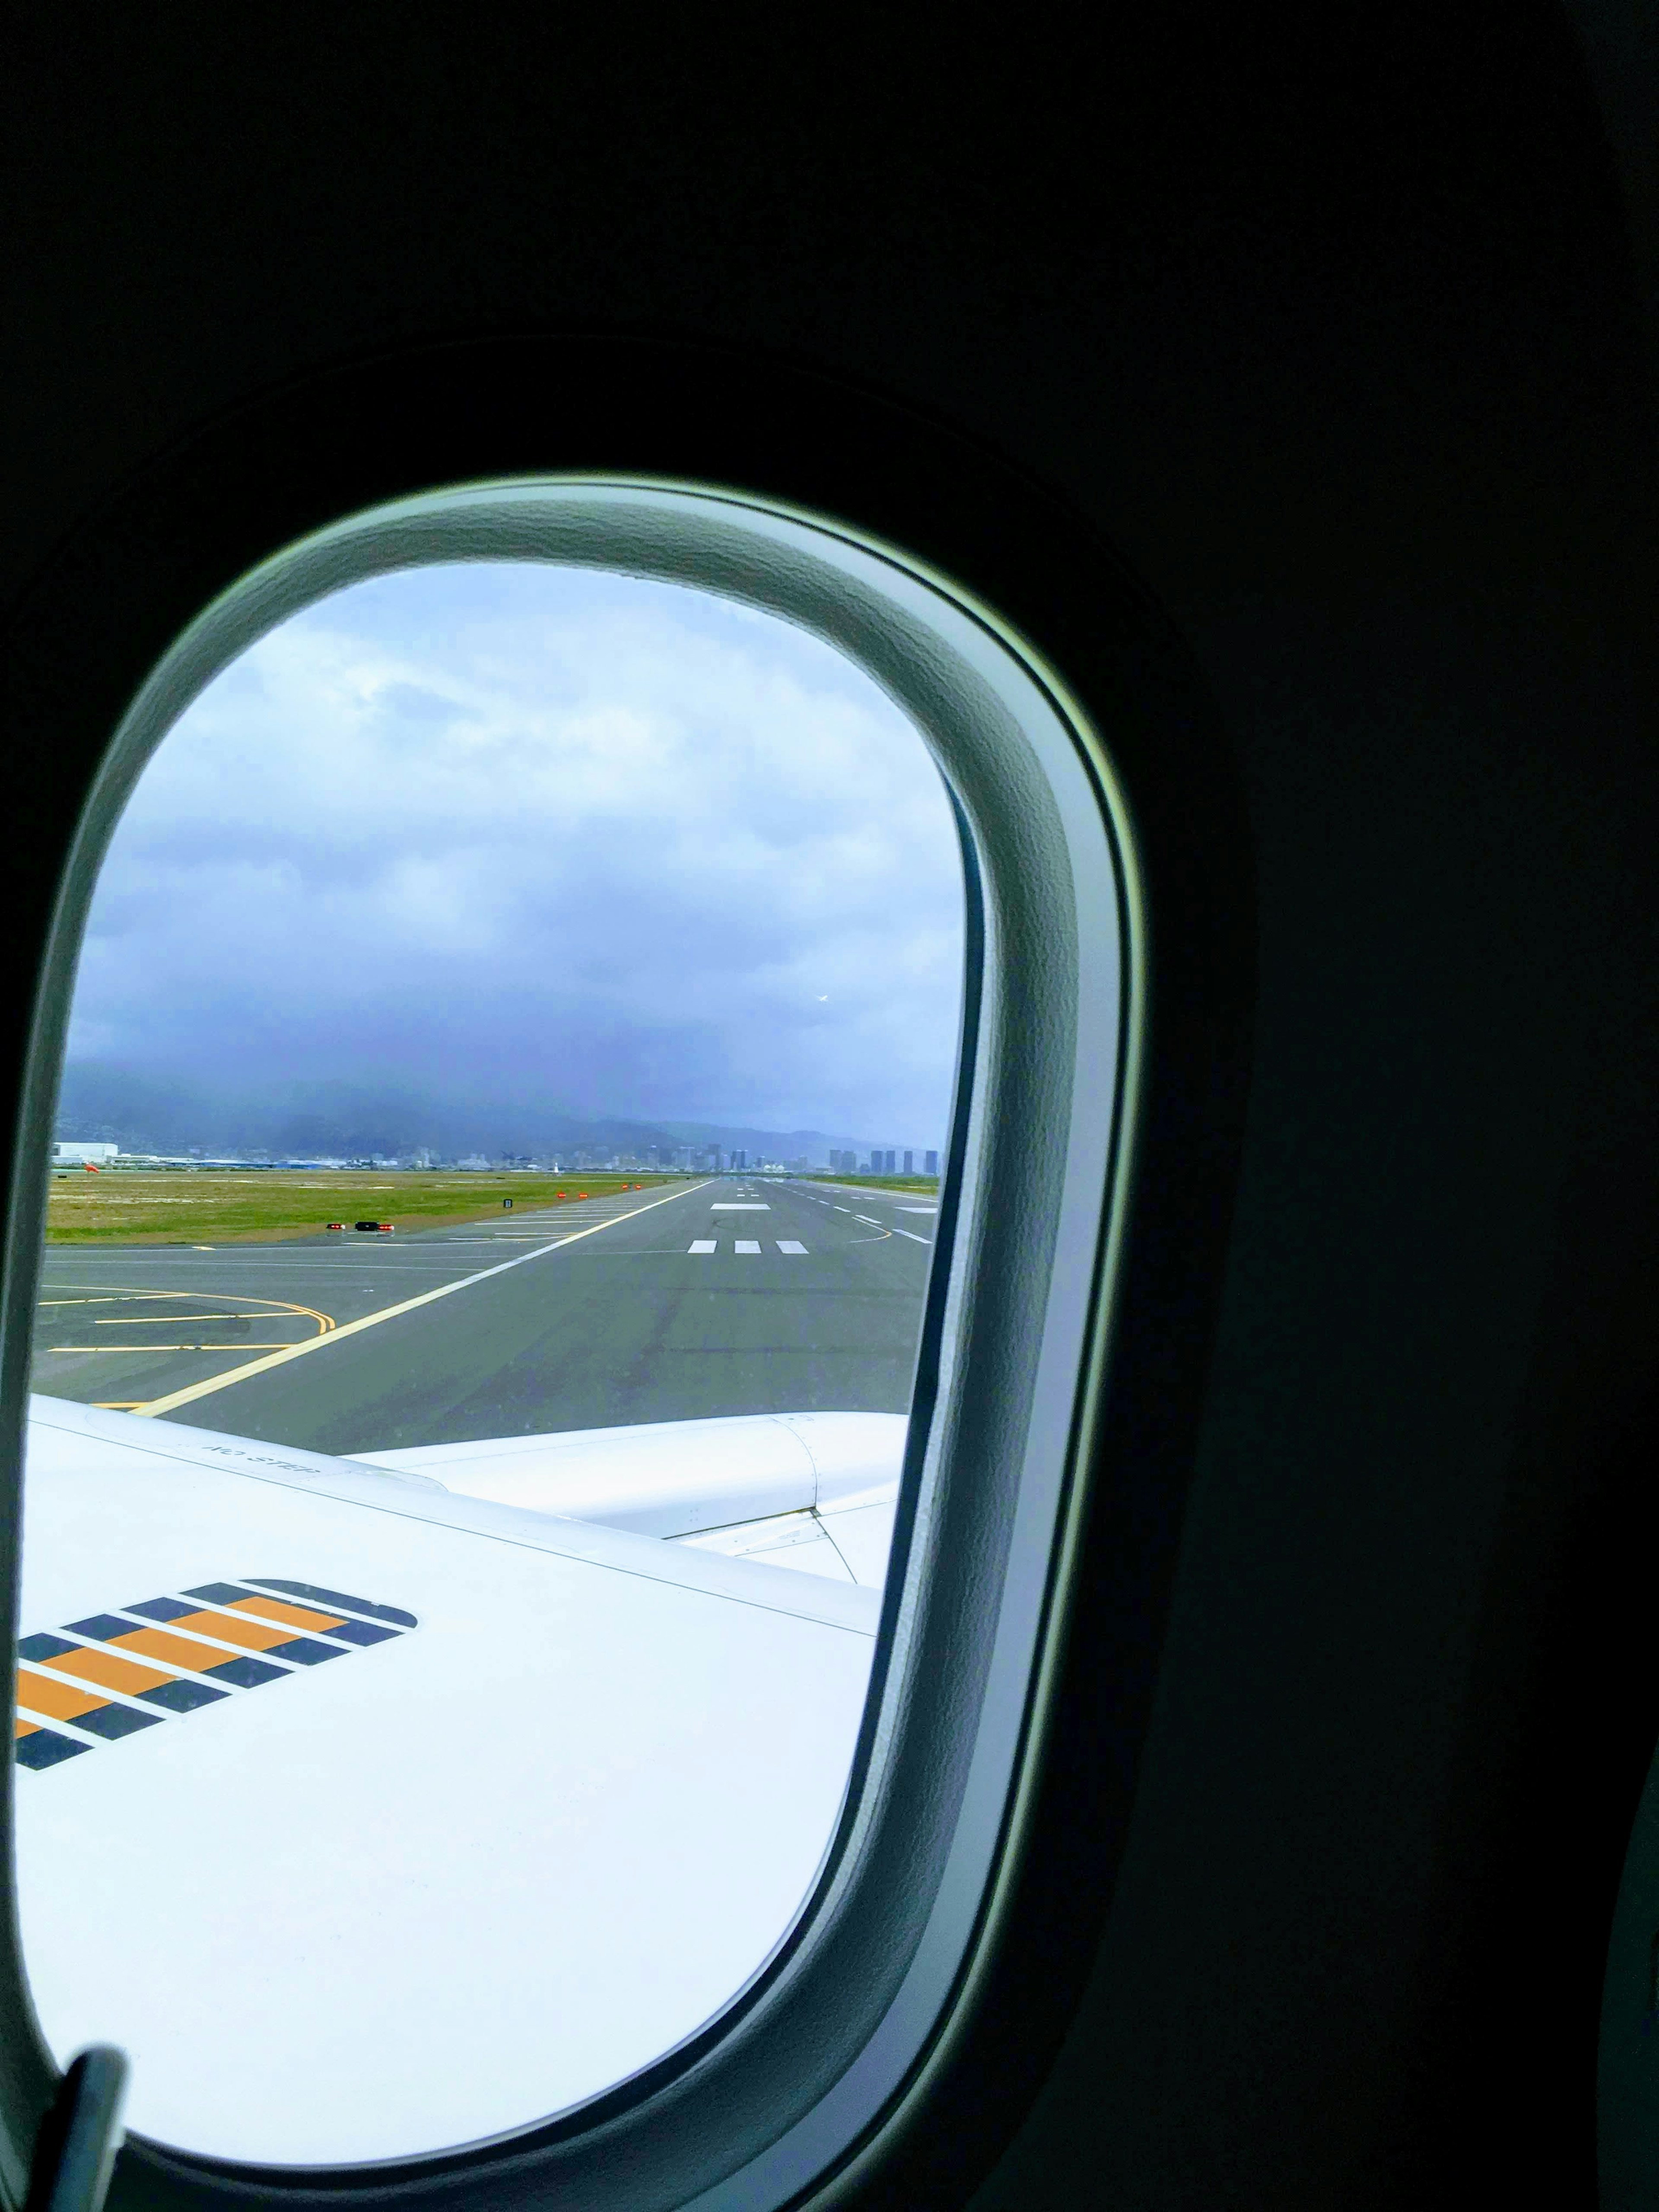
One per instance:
(195, 1390)
(324, 1321)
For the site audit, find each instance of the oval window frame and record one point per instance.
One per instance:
(1052, 859)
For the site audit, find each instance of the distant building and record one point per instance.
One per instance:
(930, 1163)
(76, 1155)
(909, 1163)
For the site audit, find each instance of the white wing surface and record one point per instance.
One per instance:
(806, 1490)
(392, 1819)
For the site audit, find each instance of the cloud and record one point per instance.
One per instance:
(516, 830)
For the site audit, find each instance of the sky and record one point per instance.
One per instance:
(515, 831)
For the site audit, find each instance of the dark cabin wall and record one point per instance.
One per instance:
(1323, 317)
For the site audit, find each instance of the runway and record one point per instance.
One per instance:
(736, 1295)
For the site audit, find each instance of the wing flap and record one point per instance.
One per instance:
(672, 1479)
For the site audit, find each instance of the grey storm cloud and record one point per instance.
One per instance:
(531, 834)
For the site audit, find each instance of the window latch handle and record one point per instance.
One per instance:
(75, 2151)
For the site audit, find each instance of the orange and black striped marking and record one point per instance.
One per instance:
(114, 1674)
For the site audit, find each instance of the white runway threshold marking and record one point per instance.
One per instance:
(702, 1244)
(387, 1313)
(747, 1245)
(788, 1244)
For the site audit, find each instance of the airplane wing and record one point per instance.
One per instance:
(374, 1818)
(814, 1492)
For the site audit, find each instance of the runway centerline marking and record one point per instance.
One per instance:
(914, 1238)
(194, 1390)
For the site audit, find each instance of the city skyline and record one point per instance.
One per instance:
(101, 1105)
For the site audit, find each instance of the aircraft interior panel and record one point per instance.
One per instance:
(1230, 438)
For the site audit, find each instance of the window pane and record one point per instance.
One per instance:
(512, 1051)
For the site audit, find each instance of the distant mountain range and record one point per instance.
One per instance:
(142, 1113)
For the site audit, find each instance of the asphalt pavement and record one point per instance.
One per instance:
(737, 1296)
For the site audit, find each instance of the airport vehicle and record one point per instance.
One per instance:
(1285, 377)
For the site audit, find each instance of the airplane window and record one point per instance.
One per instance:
(491, 1208)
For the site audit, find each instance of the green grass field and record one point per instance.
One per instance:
(223, 1206)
